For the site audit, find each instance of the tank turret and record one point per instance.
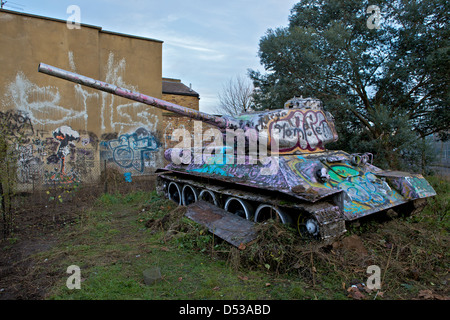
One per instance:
(302, 126)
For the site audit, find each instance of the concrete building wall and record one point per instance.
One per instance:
(71, 131)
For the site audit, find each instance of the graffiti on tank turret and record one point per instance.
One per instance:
(301, 130)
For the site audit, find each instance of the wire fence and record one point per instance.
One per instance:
(103, 176)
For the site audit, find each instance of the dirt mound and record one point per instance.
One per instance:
(170, 221)
(402, 252)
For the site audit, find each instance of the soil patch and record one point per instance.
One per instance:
(38, 223)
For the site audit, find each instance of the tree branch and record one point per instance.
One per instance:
(417, 86)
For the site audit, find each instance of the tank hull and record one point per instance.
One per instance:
(357, 189)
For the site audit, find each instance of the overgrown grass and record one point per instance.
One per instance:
(113, 247)
(126, 234)
(436, 213)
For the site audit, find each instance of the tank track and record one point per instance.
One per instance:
(326, 216)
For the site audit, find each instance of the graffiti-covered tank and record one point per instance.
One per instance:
(274, 164)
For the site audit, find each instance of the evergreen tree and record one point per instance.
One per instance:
(383, 71)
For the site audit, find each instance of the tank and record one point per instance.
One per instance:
(274, 165)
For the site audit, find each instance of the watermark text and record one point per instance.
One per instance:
(74, 281)
(373, 22)
(74, 20)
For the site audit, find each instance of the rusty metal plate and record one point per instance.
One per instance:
(227, 226)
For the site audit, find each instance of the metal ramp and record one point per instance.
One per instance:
(227, 226)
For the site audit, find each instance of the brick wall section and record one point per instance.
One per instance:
(174, 121)
(176, 92)
(185, 101)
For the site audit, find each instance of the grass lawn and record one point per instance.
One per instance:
(113, 245)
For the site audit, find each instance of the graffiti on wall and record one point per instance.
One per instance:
(66, 137)
(16, 124)
(28, 165)
(17, 129)
(135, 150)
(41, 104)
(123, 117)
(62, 156)
(50, 151)
(70, 156)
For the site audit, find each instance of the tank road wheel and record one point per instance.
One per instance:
(208, 196)
(308, 227)
(266, 212)
(189, 195)
(174, 192)
(239, 207)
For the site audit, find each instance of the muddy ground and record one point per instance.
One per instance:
(38, 219)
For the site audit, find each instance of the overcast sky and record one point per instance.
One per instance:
(206, 43)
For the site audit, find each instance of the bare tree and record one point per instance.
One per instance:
(235, 97)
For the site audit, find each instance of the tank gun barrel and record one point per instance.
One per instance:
(223, 122)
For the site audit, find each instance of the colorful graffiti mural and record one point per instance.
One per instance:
(411, 187)
(361, 189)
(131, 151)
(66, 137)
(65, 155)
(51, 127)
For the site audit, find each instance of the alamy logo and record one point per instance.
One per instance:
(74, 281)
(374, 280)
(74, 20)
(373, 22)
